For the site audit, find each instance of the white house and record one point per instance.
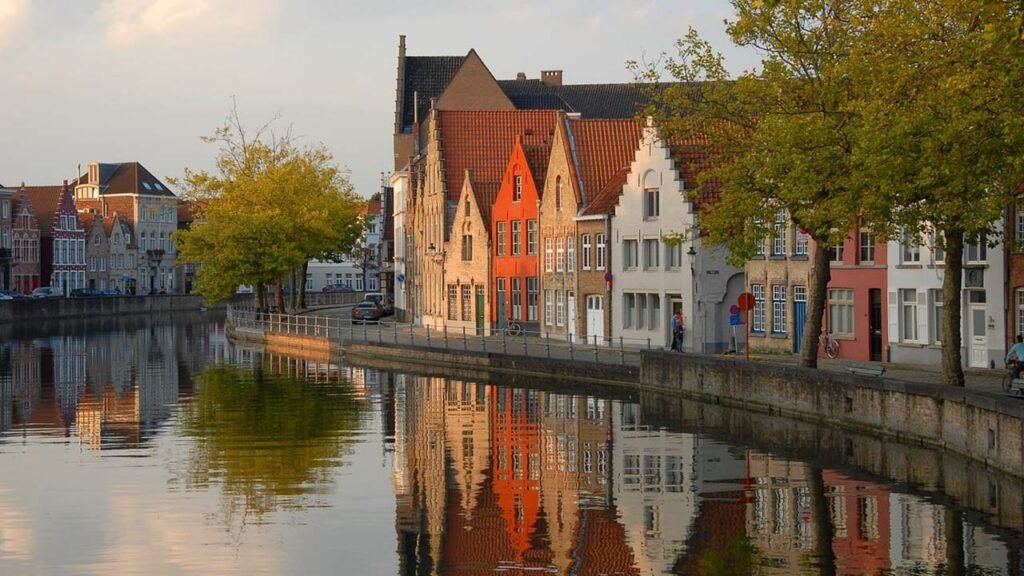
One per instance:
(400, 184)
(652, 276)
(916, 272)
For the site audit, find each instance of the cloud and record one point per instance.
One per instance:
(13, 14)
(130, 22)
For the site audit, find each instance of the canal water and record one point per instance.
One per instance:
(157, 447)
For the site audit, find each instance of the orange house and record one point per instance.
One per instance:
(515, 234)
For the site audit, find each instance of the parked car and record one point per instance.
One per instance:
(46, 292)
(366, 311)
(11, 295)
(5, 297)
(109, 292)
(382, 301)
(338, 288)
(84, 293)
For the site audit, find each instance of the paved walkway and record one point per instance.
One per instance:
(977, 379)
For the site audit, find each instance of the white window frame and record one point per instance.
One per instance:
(517, 237)
(630, 254)
(866, 246)
(938, 305)
(652, 203)
(910, 249)
(531, 237)
(757, 314)
(559, 308)
(549, 309)
(673, 256)
(559, 254)
(779, 303)
(499, 234)
(570, 254)
(549, 254)
(908, 315)
(586, 252)
(841, 308)
(779, 234)
(652, 253)
(801, 243)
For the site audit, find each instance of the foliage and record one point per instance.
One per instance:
(270, 206)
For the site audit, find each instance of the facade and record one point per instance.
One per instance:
(915, 302)
(122, 254)
(148, 206)
(515, 233)
(856, 299)
(400, 187)
(25, 245)
(468, 260)
(6, 238)
(61, 238)
(1015, 274)
(97, 251)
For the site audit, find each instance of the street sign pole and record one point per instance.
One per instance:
(746, 343)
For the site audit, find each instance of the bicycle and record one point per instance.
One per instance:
(829, 344)
(1007, 383)
(513, 328)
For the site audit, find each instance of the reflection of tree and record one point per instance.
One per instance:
(739, 557)
(271, 441)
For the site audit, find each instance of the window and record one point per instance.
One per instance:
(531, 237)
(532, 287)
(938, 305)
(560, 255)
(560, 307)
(453, 303)
(467, 247)
(975, 252)
(840, 312)
(800, 242)
(641, 311)
(466, 210)
(651, 203)
(549, 254)
(651, 254)
(558, 192)
(757, 315)
(628, 309)
(549, 308)
(837, 253)
(502, 301)
(908, 315)
(586, 251)
(517, 298)
(779, 234)
(938, 252)
(778, 308)
(910, 250)
(500, 241)
(673, 255)
(867, 246)
(570, 254)
(629, 254)
(467, 303)
(517, 190)
(654, 311)
(599, 240)
(517, 237)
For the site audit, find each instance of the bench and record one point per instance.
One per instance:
(866, 369)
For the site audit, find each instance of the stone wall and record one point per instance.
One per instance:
(32, 310)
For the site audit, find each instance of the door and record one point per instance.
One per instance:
(479, 310)
(799, 316)
(595, 318)
(978, 343)
(571, 312)
(875, 324)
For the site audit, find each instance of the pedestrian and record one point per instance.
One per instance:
(677, 331)
(1016, 357)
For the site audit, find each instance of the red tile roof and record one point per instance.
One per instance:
(605, 200)
(603, 149)
(693, 157)
(482, 141)
(485, 193)
(537, 158)
(45, 202)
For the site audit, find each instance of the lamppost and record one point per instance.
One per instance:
(691, 254)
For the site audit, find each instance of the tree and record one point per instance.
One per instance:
(779, 139)
(269, 207)
(943, 105)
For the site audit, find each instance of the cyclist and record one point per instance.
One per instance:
(1016, 356)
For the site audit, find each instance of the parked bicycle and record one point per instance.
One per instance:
(513, 328)
(829, 345)
(1008, 385)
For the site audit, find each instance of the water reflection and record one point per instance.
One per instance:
(161, 448)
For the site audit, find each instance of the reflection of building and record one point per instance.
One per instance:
(859, 512)
(654, 488)
(918, 533)
(780, 522)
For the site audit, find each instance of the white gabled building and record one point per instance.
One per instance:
(652, 278)
(916, 272)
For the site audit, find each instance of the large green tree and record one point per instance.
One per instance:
(942, 99)
(269, 207)
(778, 138)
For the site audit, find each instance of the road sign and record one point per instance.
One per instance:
(746, 301)
(734, 309)
(735, 320)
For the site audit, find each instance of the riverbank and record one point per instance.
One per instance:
(32, 310)
(984, 427)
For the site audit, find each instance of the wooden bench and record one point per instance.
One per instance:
(866, 369)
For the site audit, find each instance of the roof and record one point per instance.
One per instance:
(691, 158)
(426, 77)
(127, 178)
(589, 100)
(45, 202)
(482, 141)
(608, 196)
(603, 149)
(485, 193)
(537, 158)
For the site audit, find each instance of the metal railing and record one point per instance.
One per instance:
(619, 350)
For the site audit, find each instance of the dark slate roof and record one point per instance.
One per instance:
(589, 100)
(128, 178)
(426, 77)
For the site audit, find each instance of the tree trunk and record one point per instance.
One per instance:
(261, 297)
(302, 293)
(824, 531)
(821, 273)
(956, 564)
(952, 369)
(293, 296)
(279, 296)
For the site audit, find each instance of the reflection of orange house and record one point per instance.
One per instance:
(860, 521)
(515, 463)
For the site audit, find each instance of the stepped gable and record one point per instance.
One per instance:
(482, 141)
(604, 148)
(426, 77)
(45, 202)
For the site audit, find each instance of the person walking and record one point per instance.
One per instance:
(677, 331)
(1016, 356)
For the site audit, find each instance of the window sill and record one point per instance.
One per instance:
(908, 266)
(777, 257)
(802, 257)
(780, 336)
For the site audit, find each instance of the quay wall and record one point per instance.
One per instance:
(34, 310)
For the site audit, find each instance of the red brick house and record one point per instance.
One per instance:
(61, 236)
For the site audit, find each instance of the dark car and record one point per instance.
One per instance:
(338, 288)
(12, 294)
(366, 311)
(46, 292)
(109, 292)
(84, 293)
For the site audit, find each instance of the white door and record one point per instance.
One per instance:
(571, 305)
(978, 342)
(595, 319)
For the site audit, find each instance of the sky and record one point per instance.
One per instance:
(142, 80)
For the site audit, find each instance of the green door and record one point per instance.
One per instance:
(479, 310)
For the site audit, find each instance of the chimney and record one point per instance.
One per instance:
(521, 76)
(551, 77)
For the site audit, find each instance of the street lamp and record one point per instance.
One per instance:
(691, 254)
